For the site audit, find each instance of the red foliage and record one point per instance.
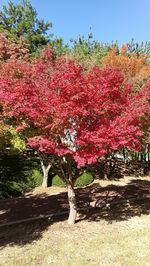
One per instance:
(83, 114)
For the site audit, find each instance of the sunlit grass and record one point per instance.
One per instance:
(123, 243)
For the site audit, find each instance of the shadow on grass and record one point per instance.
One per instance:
(111, 204)
(25, 233)
(118, 203)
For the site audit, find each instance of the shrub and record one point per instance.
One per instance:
(83, 180)
(57, 181)
(18, 175)
(36, 178)
(9, 189)
(17, 188)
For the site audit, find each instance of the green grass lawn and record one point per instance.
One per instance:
(125, 243)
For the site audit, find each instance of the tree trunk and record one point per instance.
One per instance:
(105, 168)
(45, 180)
(72, 205)
(105, 175)
(45, 170)
(125, 156)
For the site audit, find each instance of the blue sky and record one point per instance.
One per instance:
(109, 19)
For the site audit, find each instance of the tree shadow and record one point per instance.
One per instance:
(118, 203)
(25, 233)
(22, 208)
(111, 203)
(31, 206)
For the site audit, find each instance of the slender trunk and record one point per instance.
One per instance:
(72, 205)
(45, 170)
(45, 180)
(110, 167)
(106, 168)
(125, 156)
(142, 164)
(105, 176)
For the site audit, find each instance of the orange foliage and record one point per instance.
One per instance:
(144, 73)
(132, 66)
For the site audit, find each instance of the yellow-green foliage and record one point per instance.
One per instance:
(9, 138)
(16, 141)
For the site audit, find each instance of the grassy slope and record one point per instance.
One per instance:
(43, 242)
(123, 243)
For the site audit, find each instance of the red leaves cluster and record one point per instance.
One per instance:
(84, 114)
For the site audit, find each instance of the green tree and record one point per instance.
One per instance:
(59, 47)
(89, 52)
(21, 20)
(139, 48)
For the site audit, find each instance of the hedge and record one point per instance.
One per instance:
(83, 180)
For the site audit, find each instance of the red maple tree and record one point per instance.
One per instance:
(77, 116)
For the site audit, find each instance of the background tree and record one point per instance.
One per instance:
(10, 50)
(89, 52)
(21, 20)
(142, 104)
(59, 47)
(139, 48)
(136, 68)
